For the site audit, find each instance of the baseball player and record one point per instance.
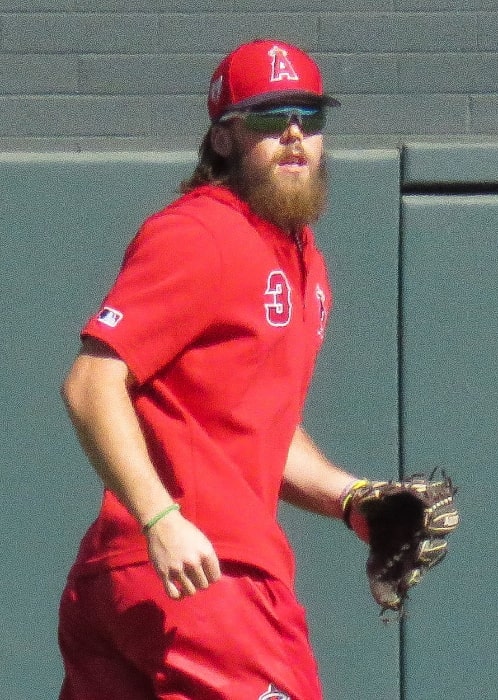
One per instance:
(187, 396)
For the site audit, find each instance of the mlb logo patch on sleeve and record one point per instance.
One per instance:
(109, 317)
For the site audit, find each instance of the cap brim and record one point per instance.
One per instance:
(286, 97)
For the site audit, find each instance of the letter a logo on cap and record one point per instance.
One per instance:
(281, 66)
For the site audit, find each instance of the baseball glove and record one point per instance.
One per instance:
(408, 522)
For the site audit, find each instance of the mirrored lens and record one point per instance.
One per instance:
(311, 121)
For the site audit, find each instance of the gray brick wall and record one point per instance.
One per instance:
(133, 73)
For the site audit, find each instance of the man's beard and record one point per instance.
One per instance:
(289, 204)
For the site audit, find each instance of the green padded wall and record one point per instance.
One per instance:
(450, 389)
(65, 221)
(353, 415)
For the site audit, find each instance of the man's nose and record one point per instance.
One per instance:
(293, 132)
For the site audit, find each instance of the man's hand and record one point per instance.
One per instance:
(182, 555)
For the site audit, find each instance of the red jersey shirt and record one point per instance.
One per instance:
(219, 315)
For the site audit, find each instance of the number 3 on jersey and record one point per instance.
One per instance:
(278, 294)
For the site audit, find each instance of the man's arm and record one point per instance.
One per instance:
(97, 398)
(311, 481)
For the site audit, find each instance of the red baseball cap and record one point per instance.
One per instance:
(265, 71)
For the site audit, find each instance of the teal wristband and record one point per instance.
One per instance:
(159, 516)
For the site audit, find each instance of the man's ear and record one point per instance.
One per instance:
(221, 140)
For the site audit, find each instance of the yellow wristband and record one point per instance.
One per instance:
(159, 516)
(347, 497)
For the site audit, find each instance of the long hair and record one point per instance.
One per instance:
(211, 168)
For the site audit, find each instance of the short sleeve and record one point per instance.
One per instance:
(164, 295)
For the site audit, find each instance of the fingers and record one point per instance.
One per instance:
(211, 567)
(183, 556)
(191, 578)
(172, 590)
(179, 587)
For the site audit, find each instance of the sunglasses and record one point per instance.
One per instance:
(311, 120)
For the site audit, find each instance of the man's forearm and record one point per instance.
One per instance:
(311, 481)
(97, 399)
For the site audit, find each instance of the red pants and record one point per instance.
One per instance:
(244, 638)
